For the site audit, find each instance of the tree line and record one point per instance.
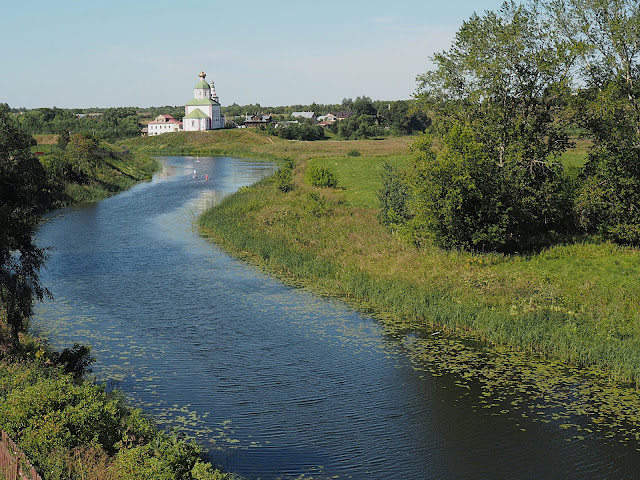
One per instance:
(504, 99)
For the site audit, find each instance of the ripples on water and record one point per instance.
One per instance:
(276, 381)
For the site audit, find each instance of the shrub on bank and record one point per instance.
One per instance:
(318, 176)
(71, 428)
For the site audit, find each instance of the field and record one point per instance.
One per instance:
(247, 142)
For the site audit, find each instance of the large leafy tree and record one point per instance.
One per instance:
(501, 87)
(22, 190)
(506, 76)
(604, 36)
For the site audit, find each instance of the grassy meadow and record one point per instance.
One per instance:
(248, 142)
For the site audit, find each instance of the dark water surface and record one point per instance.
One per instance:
(285, 383)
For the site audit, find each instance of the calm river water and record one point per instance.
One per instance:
(284, 382)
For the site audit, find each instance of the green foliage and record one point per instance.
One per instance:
(498, 96)
(404, 118)
(506, 77)
(461, 198)
(604, 36)
(73, 429)
(317, 205)
(353, 153)
(394, 198)
(109, 124)
(319, 176)
(608, 200)
(299, 131)
(363, 106)
(458, 198)
(359, 127)
(22, 199)
(282, 178)
(75, 360)
(81, 155)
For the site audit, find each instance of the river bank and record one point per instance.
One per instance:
(577, 304)
(68, 425)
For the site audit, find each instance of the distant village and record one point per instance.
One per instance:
(204, 113)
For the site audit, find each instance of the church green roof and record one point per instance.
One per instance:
(202, 84)
(202, 101)
(197, 113)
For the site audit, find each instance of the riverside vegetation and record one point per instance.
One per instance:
(576, 303)
(68, 426)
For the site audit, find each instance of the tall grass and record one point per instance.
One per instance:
(578, 302)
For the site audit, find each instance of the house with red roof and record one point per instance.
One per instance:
(163, 124)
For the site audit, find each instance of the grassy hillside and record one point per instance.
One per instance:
(248, 142)
(112, 170)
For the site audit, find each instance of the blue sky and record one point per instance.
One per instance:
(79, 54)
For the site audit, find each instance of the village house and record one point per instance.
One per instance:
(311, 116)
(257, 120)
(163, 124)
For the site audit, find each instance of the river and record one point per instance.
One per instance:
(275, 381)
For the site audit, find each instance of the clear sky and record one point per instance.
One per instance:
(112, 53)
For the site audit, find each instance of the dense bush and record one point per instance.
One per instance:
(301, 131)
(319, 176)
(73, 429)
(359, 127)
(461, 198)
(394, 198)
(282, 178)
(608, 201)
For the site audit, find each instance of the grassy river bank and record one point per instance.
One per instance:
(68, 426)
(560, 327)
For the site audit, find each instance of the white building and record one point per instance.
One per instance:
(203, 112)
(311, 116)
(163, 124)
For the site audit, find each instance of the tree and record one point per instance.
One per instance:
(358, 127)
(22, 191)
(459, 196)
(394, 197)
(404, 118)
(364, 106)
(497, 97)
(81, 155)
(506, 77)
(604, 35)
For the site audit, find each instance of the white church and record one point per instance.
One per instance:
(203, 112)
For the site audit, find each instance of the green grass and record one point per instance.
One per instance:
(576, 157)
(579, 302)
(360, 177)
(251, 143)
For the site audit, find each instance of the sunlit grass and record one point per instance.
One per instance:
(578, 302)
(577, 156)
(360, 177)
(248, 142)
